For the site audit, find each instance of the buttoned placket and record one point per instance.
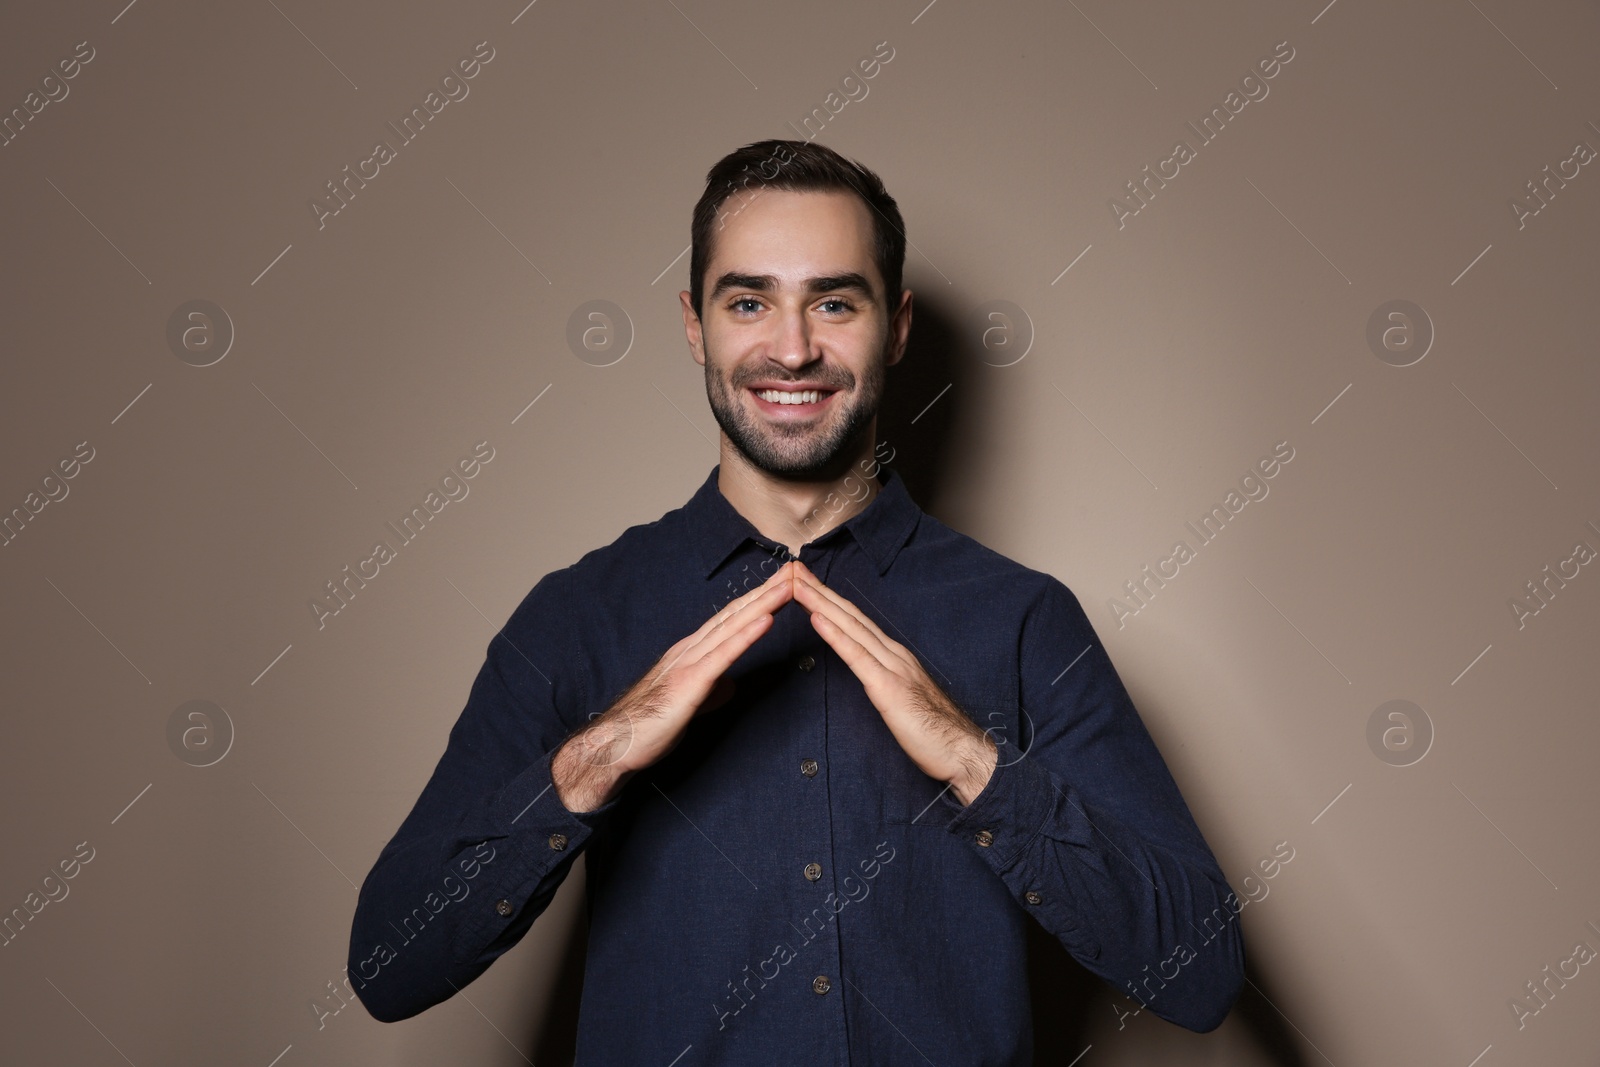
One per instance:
(825, 967)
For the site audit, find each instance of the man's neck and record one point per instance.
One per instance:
(793, 512)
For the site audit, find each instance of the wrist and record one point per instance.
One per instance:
(585, 772)
(976, 763)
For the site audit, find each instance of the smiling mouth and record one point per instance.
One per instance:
(791, 402)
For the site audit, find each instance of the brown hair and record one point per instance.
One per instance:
(796, 166)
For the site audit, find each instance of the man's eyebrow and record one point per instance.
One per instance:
(851, 281)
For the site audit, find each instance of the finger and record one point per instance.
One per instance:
(777, 579)
(772, 581)
(862, 663)
(767, 600)
(841, 623)
(716, 661)
(814, 596)
(767, 597)
(770, 595)
(810, 579)
(774, 587)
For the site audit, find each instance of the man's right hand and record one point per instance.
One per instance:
(648, 720)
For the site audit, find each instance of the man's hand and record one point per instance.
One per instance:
(648, 720)
(938, 736)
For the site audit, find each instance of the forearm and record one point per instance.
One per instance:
(1155, 924)
(443, 902)
(1166, 927)
(412, 936)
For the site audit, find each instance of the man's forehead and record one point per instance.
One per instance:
(793, 240)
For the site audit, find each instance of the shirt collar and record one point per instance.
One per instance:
(881, 529)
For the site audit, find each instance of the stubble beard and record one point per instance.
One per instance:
(816, 450)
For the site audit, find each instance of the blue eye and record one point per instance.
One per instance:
(744, 300)
(844, 304)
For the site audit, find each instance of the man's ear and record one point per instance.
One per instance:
(899, 329)
(691, 329)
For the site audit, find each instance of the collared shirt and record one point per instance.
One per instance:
(786, 885)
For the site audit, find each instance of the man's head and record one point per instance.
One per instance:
(795, 268)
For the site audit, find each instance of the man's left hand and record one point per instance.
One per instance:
(938, 736)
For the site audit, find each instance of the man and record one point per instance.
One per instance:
(827, 757)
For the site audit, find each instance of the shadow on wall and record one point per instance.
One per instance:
(922, 436)
(1069, 1003)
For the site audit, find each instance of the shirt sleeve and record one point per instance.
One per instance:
(1090, 834)
(488, 842)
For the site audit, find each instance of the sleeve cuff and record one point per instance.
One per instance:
(533, 834)
(530, 803)
(1007, 814)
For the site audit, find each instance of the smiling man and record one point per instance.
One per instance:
(819, 815)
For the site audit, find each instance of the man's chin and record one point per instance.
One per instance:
(802, 466)
(792, 451)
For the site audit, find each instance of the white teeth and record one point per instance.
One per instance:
(778, 396)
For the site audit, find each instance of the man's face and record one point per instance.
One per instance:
(794, 306)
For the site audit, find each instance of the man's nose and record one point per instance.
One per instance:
(794, 339)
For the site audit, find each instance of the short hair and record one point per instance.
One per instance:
(796, 166)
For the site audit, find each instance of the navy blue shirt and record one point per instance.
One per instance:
(786, 885)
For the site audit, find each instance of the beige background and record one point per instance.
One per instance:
(369, 355)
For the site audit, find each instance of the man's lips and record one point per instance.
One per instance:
(792, 411)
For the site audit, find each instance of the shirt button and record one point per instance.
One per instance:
(821, 984)
(813, 871)
(1031, 897)
(808, 767)
(985, 838)
(504, 907)
(558, 841)
(806, 662)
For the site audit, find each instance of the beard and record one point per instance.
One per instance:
(820, 449)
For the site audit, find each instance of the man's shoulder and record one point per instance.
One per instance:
(602, 574)
(983, 613)
(637, 543)
(940, 552)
